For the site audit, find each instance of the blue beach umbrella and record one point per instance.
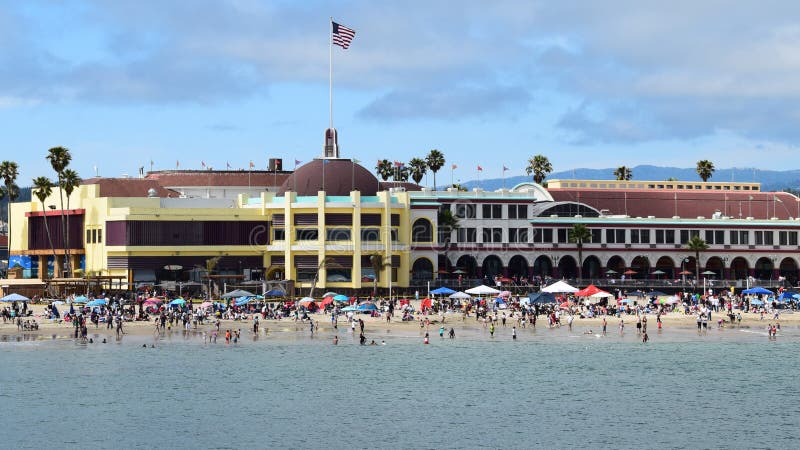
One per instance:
(367, 307)
(341, 298)
(178, 301)
(243, 301)
(97, 302)
(14, 298)
(349, 308)
(757, 291)
(80, 299)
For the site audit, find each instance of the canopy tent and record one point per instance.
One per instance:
(541, 297)
(482, 290)
(602, 294)
(238, 293)
(788, 296)
(758, 290)
(14, 298)
(443, 291)
(460, 296)
(275, 293)
(559, 287)
(588, 291)
(637, 294)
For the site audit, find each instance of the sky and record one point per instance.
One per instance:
(587, 84)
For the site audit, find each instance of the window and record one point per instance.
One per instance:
(94, 236)
(464, 211)
(278, 234)
(763, 237)
(517, 211)
(640, 236)
(665, 236)
(563, 235)
(395, 235)
(307, 234)
(615, 236)
(739, 237)
(339, 274)
(596, 236)
(684, 236)
(306, 274)
(370, 234)
(518, 235)
(422, 231)
(543, 235)
(467, 235)
(88, 236)
(715, 237)
(337, 234)
(788, 238)
(492, 211)
(492, 235)
(100, 236)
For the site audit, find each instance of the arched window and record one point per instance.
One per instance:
(422, 231)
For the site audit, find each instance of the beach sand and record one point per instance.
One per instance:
(676, 326)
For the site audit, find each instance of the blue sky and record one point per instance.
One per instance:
(588, 84)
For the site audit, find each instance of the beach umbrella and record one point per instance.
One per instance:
(367, 306)
(611, 271)
(559, 287)
(460, 296)
(630, 272)
(601, 294)
(350, 308)
(330, 294)
(326, 301)
(708, 272)
(757, 291)
(658, 272)
(237, 293)
(206, 305)
(305, 301)
(243, 300)
(505, 294)
(443, 291)
(459, 272)
(97, 302)
(340, 298)
(58, 302)
(178, 301)
(687, 272)
(482, 290)
(14, 298)
(652, 294)
(80, 299)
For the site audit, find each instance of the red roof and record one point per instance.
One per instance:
(686, 204)
(203, 178)
(129, 187)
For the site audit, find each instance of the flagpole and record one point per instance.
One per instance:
(330, 72)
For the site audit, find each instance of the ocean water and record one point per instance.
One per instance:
(471, 392)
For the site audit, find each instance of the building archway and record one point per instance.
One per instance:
(617, 264)
(468, 265)
(715, 264)
(492, 266)
(422, 269)
(640, 265)
(445, 266)
(788, 270)
(543, 266)
(422, 231)
(567, 267)
(763, 268)
(688, 265)
(518, 267)
(666, 265)
(739, 268)
(591, 267)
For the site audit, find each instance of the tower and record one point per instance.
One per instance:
(331, 149)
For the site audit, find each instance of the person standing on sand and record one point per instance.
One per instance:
(255, 324)
(638, 325)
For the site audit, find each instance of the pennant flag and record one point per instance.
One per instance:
(480, 169)
(297, 162)
(203, 163)
(505, 168)
(398, 164)
(342, 36)
(453, 167)
(227, 165)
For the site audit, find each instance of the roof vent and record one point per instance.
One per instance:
(700, 217)
(554, 216)
(578, 216)
(651, 217)
(676, 217)
(748, 218)
(152, 193)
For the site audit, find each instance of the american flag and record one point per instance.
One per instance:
(342, 36)
(454, 167)
(480, 169)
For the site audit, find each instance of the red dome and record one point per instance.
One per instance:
(341, 177)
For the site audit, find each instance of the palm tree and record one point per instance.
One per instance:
(378, 263)
(705, 169)
(446, 223)
(540, 167)
(211, 264)
(70, 180)
(696, 245)
(401, 173)
(623, 173)
(44, 188)
(9, 170)
(435, 161)
(384, 169)
(60, 158)
(579, 234)
(326, 262)
(417, 167)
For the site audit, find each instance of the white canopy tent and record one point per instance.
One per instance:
(482, 290)
(460, 296)
(560, 287)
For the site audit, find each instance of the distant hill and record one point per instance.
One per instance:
(771, 180)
